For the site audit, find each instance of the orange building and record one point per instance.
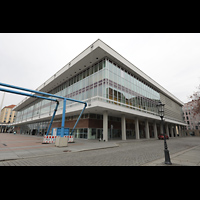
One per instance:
(7, 115)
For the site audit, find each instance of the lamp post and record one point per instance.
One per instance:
(160, 107)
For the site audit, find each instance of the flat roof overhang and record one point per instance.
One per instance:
(87, 58)
(100, 107)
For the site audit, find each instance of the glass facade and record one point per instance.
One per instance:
(39, 128)
(105, 80)
(126, 89)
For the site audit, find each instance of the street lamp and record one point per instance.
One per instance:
(160, 107)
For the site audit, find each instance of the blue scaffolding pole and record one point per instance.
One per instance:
(46, 98)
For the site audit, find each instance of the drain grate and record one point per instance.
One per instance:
(67, 151)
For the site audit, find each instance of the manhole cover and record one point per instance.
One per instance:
(67, 151)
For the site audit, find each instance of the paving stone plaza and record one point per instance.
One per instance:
(29, 151)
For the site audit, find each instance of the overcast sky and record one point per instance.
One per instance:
(171, 59)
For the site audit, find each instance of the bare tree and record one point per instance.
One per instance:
(195, 97)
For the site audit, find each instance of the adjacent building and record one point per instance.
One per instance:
(121, 100)
(7, 114)
(7, 117)
(191, 119)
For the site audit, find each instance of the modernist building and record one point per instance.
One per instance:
(121, 99)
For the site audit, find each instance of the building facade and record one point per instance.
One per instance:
(7, 115)
(121, 100)
(191, 119)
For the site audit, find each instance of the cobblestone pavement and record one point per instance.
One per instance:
(128, 153)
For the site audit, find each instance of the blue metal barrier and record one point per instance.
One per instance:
(47, 98)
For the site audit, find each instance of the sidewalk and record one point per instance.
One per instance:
(188, 157)
(27, 146)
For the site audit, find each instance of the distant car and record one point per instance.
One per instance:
(162, 136)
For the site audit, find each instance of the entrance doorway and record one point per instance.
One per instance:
(99, 134)
(130, 134)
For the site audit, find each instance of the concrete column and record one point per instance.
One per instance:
(184, 132)
(123, 126)
(167, 130)
(180, 131)
(176, 130)
(137, 133)
(184, 129)
(78, 133)
(171, 130)
(155, 130)
(147, 129)
(105, 125)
